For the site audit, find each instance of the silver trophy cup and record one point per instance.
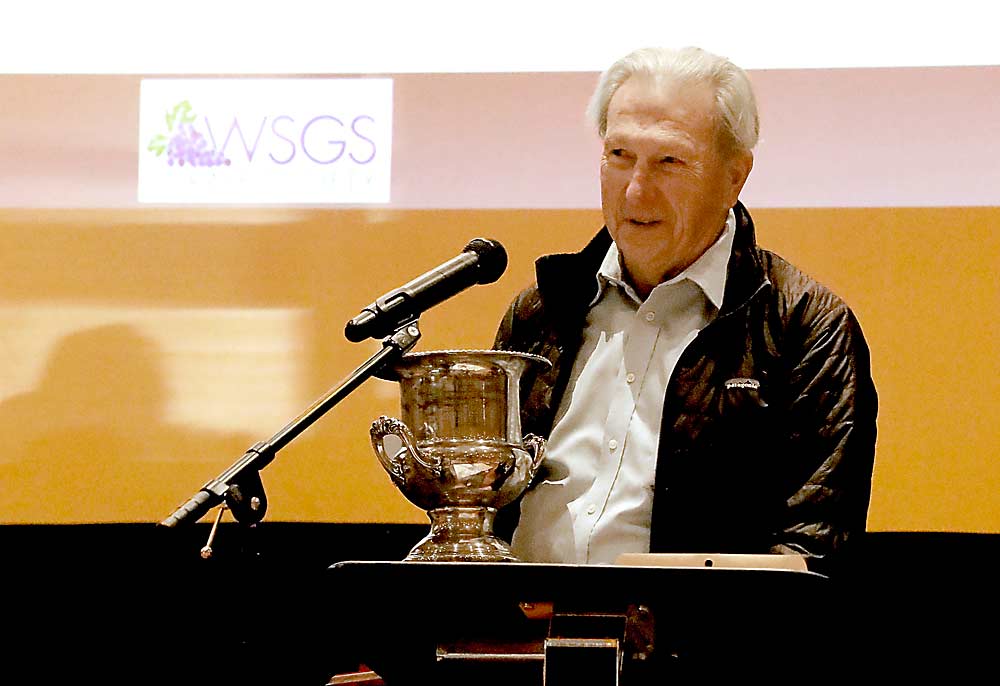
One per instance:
(462, 455)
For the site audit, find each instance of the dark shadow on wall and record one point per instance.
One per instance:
(91, 441)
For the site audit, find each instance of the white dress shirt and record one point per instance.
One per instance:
(597, 499)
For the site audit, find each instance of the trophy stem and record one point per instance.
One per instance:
(461, 534)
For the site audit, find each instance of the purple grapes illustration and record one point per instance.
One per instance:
(185, 145)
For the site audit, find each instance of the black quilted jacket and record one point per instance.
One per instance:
(767, 440)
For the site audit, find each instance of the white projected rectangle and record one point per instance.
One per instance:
(456, 36)
(265, 141)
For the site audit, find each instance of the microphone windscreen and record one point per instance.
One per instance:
(492, 258)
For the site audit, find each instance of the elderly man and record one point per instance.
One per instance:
(705, 394)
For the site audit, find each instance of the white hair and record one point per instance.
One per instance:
(738, 123)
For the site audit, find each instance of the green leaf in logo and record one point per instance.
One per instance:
(182, 113)
(158, 144)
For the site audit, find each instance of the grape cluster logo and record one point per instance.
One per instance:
(183, 143)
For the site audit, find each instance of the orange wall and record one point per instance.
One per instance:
(144, 350)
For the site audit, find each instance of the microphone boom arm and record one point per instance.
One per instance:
(240, 483)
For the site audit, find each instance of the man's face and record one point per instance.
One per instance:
(666, 186)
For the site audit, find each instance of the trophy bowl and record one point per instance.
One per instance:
(462, 456)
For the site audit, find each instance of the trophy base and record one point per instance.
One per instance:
(461, 534)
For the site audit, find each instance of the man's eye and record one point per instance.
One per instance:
(617, 152)
(669, 159)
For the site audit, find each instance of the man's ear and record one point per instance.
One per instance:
(739, 169)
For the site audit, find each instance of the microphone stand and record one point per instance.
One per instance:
(240, 485)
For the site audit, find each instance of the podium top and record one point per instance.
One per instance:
(632, 563)
(412, 585)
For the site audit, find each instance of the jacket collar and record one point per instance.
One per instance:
(567, 285)
(745, 275)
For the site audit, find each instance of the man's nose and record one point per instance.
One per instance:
(640, 184)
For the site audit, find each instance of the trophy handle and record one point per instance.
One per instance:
(536, 445)
(384, 426)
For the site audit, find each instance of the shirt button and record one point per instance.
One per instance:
(650, 316)
(612, 444)
(630, 377)
(592, 509)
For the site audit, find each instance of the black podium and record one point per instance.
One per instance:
(525, 623)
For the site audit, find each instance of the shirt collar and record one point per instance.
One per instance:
(708, 271)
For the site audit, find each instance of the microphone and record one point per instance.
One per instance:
(482, 261)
